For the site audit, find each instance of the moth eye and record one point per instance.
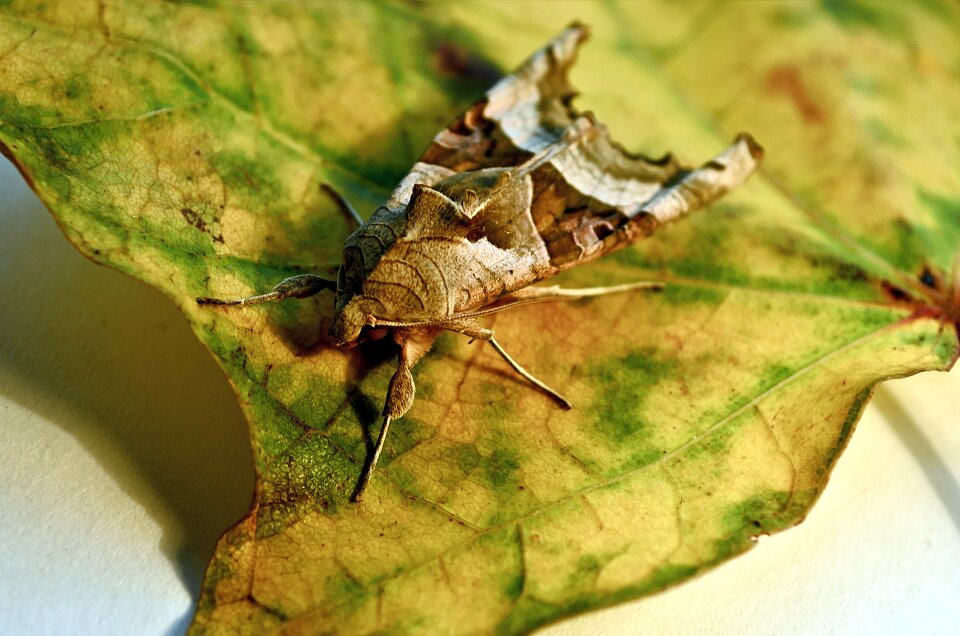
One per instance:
(350, 277)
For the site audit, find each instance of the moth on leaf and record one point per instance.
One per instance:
(519, 188)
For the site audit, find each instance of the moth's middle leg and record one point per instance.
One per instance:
(470, 328)
(467, 325)
(564, 402)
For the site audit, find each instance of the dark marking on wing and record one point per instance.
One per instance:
(473, 142)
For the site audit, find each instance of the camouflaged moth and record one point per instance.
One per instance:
(521, 187)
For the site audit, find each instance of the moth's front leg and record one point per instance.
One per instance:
(300, 286)
(400, 393)
(400, 397)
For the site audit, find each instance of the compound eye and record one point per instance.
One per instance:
(350, 277)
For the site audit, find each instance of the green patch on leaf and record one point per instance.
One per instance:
(859, 14)
(635, 375)
(883, 133)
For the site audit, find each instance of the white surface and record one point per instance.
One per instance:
(110, 502)
(123, 453)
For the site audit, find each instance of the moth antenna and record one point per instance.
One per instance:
(342, 203)
(527, 296)
(530, 295)
(373, 321)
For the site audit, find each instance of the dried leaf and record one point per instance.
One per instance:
(189, 145)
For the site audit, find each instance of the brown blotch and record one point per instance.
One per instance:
(895, 293)
(786, 80)
(195, 219)
(479, 144)
(452, 59)
(602, 230)
(563, 249)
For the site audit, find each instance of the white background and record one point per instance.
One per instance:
(123, 455)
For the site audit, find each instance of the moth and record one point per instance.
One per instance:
(519, 188)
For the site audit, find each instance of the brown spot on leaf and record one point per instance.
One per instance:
(786, 80)
(895, 293)
(102, 20)
(453, 59)
(195, 219)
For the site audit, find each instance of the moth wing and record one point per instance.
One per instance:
(592, 196)
(587, 196)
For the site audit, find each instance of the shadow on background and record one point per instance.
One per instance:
(113, 362)
(936, 471)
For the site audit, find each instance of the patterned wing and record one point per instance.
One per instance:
(595, 196)
(587, 197)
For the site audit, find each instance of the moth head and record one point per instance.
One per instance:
(348, 322)
(349, 318)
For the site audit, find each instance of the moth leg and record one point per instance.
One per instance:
(342, 203)
(300, 286)
(555, 292)
(544, 294)
(534, 294)
(400, 394)
(562, 401)
(472, 329)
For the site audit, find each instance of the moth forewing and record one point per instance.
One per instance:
(519, 188)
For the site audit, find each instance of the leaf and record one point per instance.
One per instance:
(188, 145)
